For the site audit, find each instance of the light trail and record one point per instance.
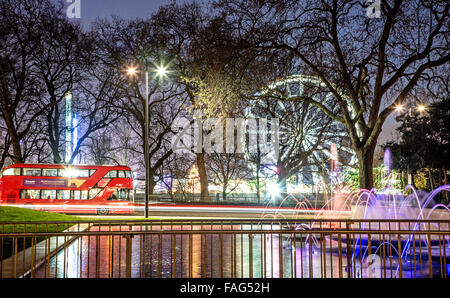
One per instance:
(185, 208)
(238, 209)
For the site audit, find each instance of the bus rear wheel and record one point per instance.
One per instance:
(102, 211)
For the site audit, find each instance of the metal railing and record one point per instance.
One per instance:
(227, 248)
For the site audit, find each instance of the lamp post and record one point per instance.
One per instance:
(161, 72)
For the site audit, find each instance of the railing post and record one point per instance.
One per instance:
(128, 255)
(348, 252)
(400, 260)
(15, 257)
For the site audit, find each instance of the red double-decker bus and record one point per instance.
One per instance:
(78, 189)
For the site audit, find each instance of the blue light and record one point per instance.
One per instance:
(270, 170)
(75, 132)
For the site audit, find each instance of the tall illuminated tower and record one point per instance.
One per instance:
(68, 128)
(75, 135)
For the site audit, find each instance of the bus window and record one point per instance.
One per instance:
(121, 174)
(94, 192)
(63, 194)
(91, 172)
(79, 195)
(50, 172)
(72, 172)
(128, 174)
(12, 172)
(120, 195)
(83, 173)
(32, 172)
(111, 174)
(76, 195)
(30, 194)
(48, 194)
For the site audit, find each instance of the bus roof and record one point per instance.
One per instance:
(63, 166)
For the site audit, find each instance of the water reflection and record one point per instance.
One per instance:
(217, 255)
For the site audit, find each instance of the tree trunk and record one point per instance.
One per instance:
(13, 132)
(204, 193)
(282, 180)
(445, 181)
(365, 161)
(56, 156)
(430, 175)
(224, 193)
(17, 158)
(151, 186)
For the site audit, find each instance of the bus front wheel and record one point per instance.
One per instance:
(102, 211)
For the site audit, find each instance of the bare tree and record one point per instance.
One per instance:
(44, 56)
(177, 27)
(22, 24)
(227, 170)
(369, 65)
(129, 43)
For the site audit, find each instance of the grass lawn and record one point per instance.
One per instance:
(12, 215)
(10, 218)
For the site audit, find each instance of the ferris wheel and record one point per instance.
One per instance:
(307, 137)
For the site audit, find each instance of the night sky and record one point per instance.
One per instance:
(93, 9)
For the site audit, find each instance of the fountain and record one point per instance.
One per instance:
(387, 160)
(409, 205)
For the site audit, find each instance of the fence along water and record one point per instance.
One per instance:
(228, 248)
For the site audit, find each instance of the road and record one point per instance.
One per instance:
(227, 212)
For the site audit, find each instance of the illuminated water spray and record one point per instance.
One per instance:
(387, 160)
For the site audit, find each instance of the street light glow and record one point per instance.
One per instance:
(131, 71)
(399, 108)
(421, 108)
(161, 71)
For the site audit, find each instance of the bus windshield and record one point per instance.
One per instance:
(121, 194)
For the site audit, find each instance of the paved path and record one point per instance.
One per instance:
(23, 263)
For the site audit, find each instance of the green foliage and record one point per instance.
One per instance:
(420, 180)
(424, 139)
(351, 178)
(380, 176)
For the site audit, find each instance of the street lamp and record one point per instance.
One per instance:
(131, 70)
(399, 108)
(160, 72)
(421, 108)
